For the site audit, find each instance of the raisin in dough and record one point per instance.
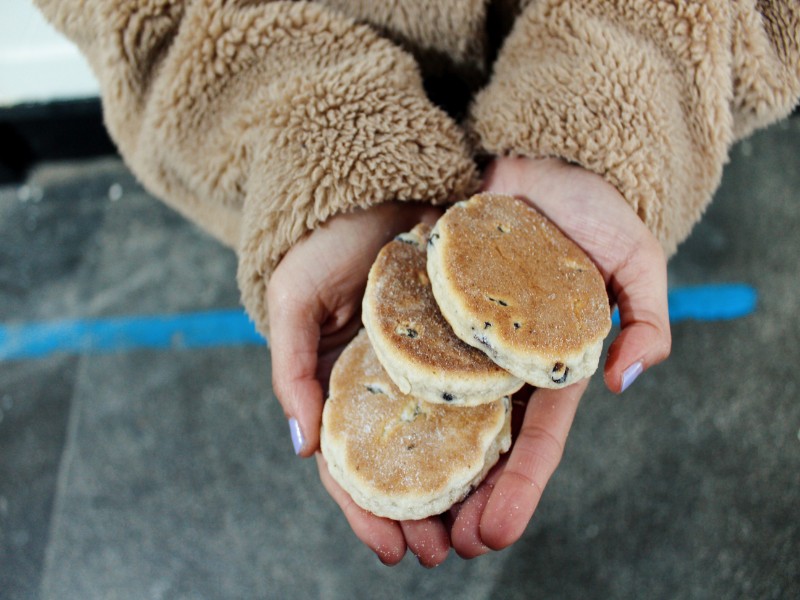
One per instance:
(412, 340)
(510, 283)
(396, 455)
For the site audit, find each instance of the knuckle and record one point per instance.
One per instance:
(539, 446)
(288, 392)
(277, 291)
(665, 349)
(662, 346)
(521, 479)
(281, 388)
(286, 301)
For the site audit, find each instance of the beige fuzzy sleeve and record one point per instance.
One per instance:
(259, 120)
(649, 94)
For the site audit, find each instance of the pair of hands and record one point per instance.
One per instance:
(314, 300)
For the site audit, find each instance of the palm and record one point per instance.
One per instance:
(321, 280)
(315, 298)
(599, 220)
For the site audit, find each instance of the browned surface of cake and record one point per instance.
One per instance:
(511, 283)
(412, 339)
(398, 455)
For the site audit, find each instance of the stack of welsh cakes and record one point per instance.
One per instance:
(456, 319)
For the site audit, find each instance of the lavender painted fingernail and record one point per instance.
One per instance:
(298, 441)
(630, 374)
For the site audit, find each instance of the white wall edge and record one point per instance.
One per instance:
(37, 63)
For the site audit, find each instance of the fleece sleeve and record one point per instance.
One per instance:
(649, 94)
(259, 120)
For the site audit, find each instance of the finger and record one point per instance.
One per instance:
(639, 285)
(294, 340)
(465, 533)
(532, 461)
(465, 517)
(428, 540)
(383, 536)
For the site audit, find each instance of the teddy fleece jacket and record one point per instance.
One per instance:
(259, 120)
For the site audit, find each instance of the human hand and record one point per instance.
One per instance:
(314, 299)
(595, 216)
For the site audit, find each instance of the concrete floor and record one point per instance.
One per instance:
(170, 474)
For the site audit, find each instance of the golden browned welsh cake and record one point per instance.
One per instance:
(411, 338)
(396, 455)
(510, 283)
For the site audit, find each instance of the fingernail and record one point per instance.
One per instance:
(298, 441)
(630, 374)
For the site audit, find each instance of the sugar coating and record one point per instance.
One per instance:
(396, 455)
(412, 339)
(511, 284)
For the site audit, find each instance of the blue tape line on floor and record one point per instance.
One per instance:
(720, 302)
(232, 328)
(100, 336)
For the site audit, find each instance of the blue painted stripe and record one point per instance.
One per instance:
(117, 334)
(231, 328)
(721, 302)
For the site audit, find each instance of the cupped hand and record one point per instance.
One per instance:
(595, 216)
(314, 299)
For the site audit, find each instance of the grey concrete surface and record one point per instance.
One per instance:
(169, 474)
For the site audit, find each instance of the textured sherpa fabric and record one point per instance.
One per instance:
(649, 94)
(259, 120)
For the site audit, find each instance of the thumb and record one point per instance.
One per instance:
(294, 341)
(639, 284)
